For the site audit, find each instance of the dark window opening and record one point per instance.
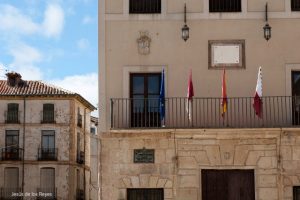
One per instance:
(144, 6)
(11, 150)
(225, 6)
(295, 5)
(48, 113)
(296, 193)
(144, 94)
(145, 194)
(12, 114)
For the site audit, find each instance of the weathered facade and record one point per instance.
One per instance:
(202, 155)
(44, 143)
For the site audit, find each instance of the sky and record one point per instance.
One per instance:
(51, 40)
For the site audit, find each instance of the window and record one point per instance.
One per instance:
(11, 181)
(225, 6)
(79, 118)
(12, 139)
(12, 115)
(144, 94)
(144, 6)
(93, 130)
(226, 53)
(48, 150)
(47, 181)
(296, 193)
(145, 194)
(48, 113)
(227, 184)
(11, 150)
(295, 4)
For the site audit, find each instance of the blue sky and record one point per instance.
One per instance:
(51, 40)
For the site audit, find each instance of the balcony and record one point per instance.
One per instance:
(47, 154)
(79, 120)
(10, 193)
(79, 194)
(12, 117)
(47, 193)
(277, 111)
(80, 157)
(48, 117)
(11, 153)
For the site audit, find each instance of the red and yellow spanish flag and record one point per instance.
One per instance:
(224, 96)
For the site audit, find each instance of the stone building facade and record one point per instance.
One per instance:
(44, 133)
(206, 156)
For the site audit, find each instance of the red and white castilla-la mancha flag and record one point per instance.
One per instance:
(257, 101)
(190, 94)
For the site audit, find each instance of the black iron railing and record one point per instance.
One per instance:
(47, 154)
(11, 153)
(79, 120)
(80, 194)
(225, 6)
(48, 117)
(80, 157)
(295, 5)
(277, 111)
(12, 117)
(49, 193)
(10, 193)
(144, 6)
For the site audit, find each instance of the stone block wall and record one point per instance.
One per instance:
(180, 155)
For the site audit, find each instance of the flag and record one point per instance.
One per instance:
(224, 96)
(162, 96)
(257, 100)
(190, 94)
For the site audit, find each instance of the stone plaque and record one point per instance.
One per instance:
(143, 156)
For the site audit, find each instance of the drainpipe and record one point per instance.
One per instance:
(84, 181)
(23, 157)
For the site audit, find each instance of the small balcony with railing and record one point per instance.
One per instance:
(11, 193)
(80, 194)
(47, 154)
(80, 157)
(11, 154)
(12, 117)
(47, 193)
(276, 112)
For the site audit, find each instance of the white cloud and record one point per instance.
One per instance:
(86, 85)
(54, 20)
(83, 44)
(24, 59)
(11, 19)
(87, 20)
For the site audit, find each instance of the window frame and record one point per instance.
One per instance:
(49, 134)
(145, 10)
(295, 5)
(295, 190)
(17, 134)
(47, 111)
(226, 8)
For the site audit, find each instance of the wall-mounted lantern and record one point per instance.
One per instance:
(185, 31)
(267, 27)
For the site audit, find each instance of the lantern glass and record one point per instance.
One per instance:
(185, 32)
(267, 31)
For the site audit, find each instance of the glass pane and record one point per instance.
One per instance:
(154, 84)
(153, 103)
(137, 84)
(12, 138)
(138, 103)
(296, 83)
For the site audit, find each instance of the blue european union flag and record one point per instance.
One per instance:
(162, 96)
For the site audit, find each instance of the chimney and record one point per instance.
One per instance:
(14, 79)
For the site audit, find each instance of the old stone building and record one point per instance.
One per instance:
(44, 131)
(152, 147)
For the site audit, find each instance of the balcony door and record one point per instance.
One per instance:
(296, 97)
(48, 151)
(144, 94)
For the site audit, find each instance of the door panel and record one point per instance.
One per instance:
(145, 194)
(228, 185)
(296, 97)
